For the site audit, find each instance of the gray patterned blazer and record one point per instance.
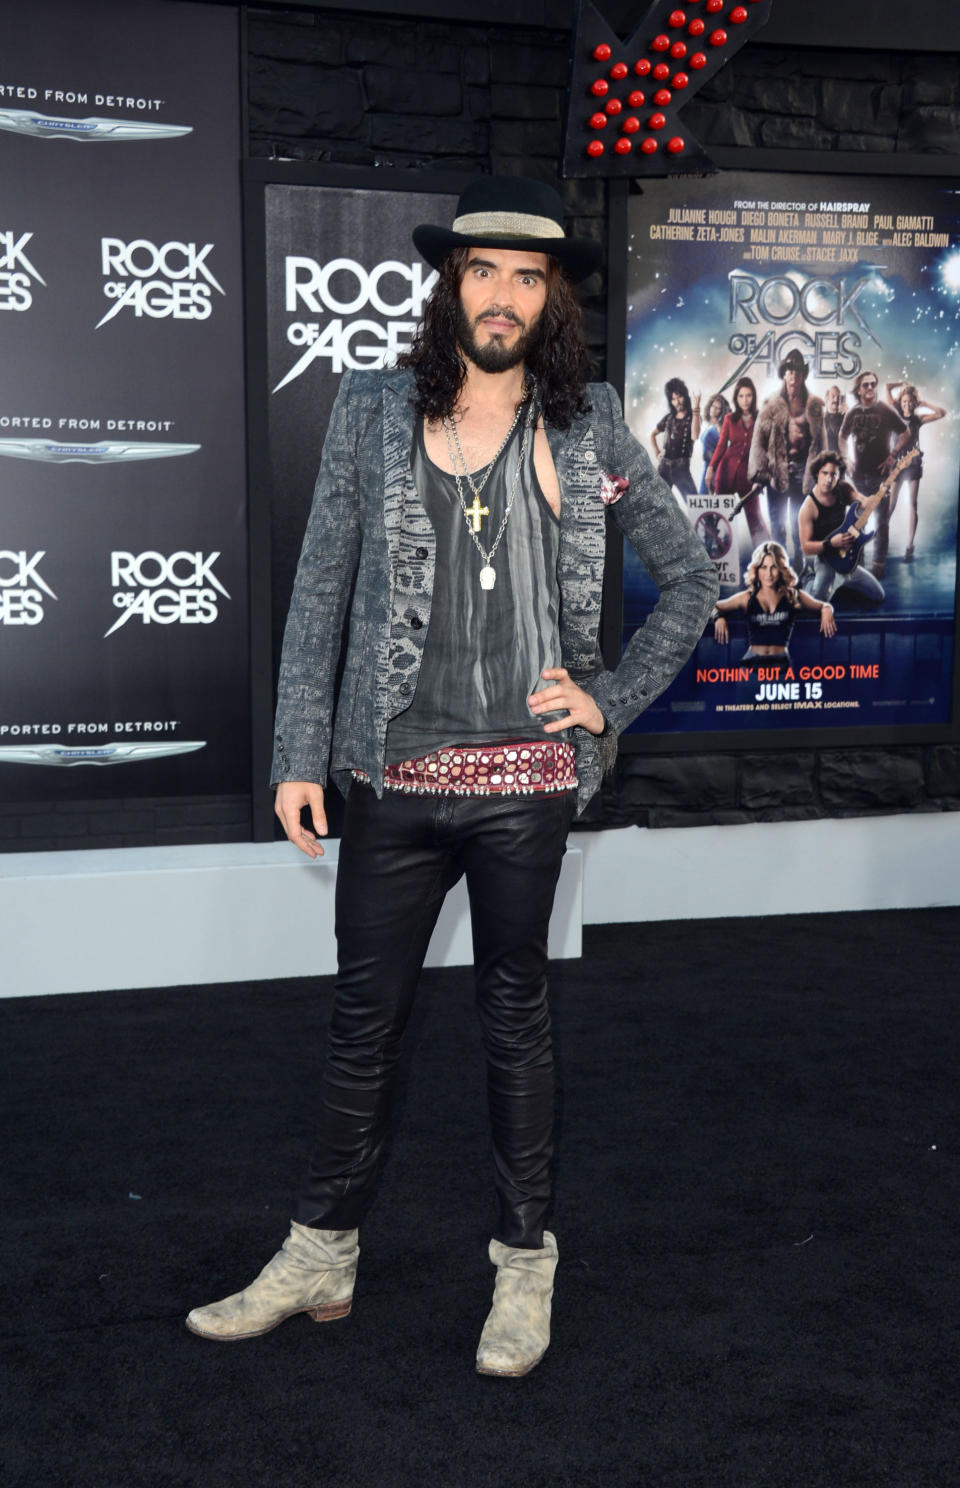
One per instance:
(368, 559)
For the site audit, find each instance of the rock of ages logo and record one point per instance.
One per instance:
(322, 296)
(179, 589)
(158, 280)
(17, 273)
(22, 588)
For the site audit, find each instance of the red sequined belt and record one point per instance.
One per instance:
(519, 767)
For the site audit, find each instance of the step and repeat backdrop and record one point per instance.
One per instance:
(123, 571)
(803, 314)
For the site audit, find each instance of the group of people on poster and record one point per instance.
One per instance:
(830, 471)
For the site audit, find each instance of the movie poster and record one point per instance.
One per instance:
(792, 368)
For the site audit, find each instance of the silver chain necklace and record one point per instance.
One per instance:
(472, 515)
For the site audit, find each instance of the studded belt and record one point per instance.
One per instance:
(520, 767)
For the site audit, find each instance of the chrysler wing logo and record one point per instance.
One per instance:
(106, 452)
(119, 753)
(50, 126)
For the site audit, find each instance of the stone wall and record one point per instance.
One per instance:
(56, 826)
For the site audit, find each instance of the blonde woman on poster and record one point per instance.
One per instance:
(772, 603)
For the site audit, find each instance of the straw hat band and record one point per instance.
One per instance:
(513, 213)
(507, 225)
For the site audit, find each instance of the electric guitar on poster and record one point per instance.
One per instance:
(845, 560)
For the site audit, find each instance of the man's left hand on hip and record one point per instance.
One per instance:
(581, 709)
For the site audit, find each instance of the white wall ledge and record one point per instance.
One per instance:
(177, 916)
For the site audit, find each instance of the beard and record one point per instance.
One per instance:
(495, 355)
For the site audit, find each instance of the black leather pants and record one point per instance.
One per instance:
(398, 858)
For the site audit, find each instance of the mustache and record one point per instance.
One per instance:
(497, 314)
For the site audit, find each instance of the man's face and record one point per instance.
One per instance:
(833, 400)
(792, 381)
(827, 478)
(502, 296)
(867, 391)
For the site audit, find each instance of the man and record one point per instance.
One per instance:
(680, 428)
(458, 526)
(876, 435)
(833, 418)
(788, 434)
(819, 523)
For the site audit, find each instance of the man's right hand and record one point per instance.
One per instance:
(292, 796)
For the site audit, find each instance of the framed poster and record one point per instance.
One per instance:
(770, 320)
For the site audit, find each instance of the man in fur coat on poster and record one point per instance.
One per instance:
(787, 438)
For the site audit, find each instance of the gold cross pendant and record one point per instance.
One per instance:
(475, 512)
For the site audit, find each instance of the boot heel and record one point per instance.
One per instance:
(326, 1312)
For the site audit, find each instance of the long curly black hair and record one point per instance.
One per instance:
(677, 385)
(557, 355)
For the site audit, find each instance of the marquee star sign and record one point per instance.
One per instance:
(626, 96)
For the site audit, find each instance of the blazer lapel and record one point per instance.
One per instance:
(412, 550)
(399, 491)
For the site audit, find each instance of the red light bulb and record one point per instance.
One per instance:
(601, 53)
(676, 18)
(636, 99)
(656, 121)
(660, 43)
(662, 97)
(648, 145)
(718, 38)
(600, 88)
(622, 146)
(613, 106)
(678, 50)
(675, 145)
(630, 125)
(697, 27)
(619, 70)
(598, 121)
(738, 15)
(697, 61)
(661, 72)
(595, 149)
(642, 67)
(680, 80)
(712, 6)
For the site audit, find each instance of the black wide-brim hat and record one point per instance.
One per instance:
(793, 362)
(510, 212)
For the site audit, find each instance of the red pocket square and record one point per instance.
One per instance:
(612, 487)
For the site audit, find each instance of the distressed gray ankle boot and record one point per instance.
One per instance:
(516, 1334)
(314, 1272)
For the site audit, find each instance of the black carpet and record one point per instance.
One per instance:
(757, 1212)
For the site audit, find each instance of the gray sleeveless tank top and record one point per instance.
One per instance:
(485, 649)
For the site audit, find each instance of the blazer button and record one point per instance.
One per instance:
(421, 552)
(415, 622)
(404, 688)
